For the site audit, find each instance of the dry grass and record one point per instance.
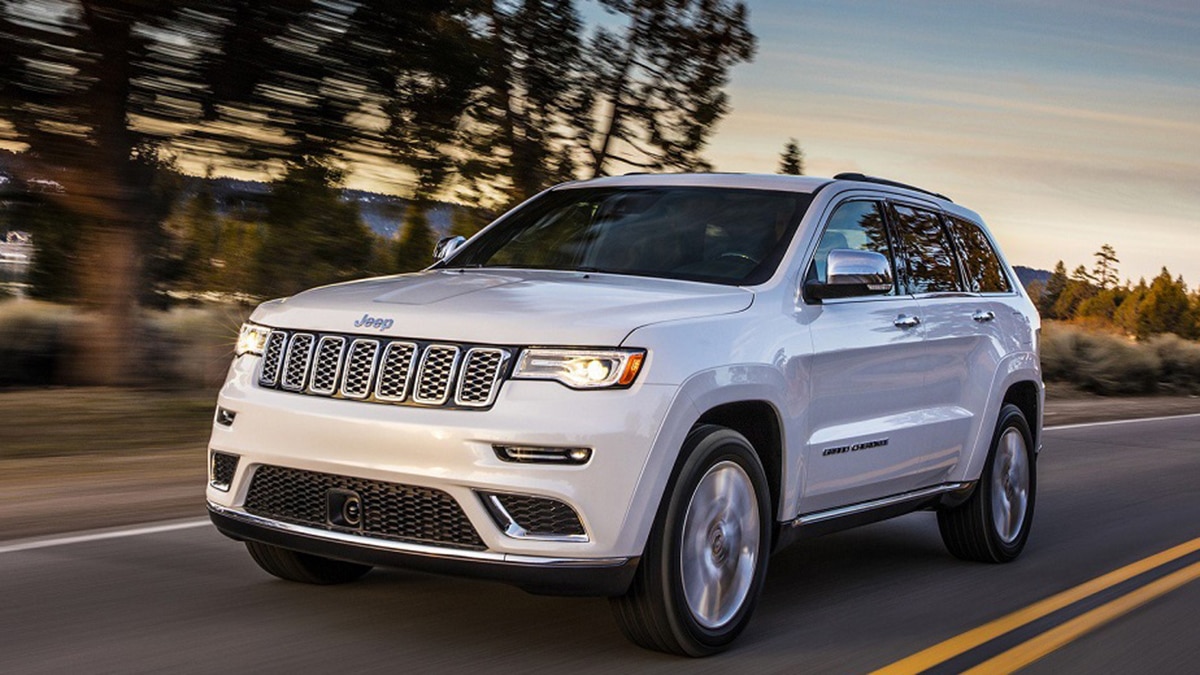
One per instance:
(1103, 363)
(185, 347)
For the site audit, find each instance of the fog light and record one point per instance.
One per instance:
(528, 454)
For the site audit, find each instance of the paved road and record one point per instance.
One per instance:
(188, 600)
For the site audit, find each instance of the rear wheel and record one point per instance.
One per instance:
(704, 564)
(304, 567)
(993, 524)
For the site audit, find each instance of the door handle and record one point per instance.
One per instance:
(905, 321)
(984, 316)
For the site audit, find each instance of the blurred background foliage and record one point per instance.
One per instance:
(479, 102)
(461, 108)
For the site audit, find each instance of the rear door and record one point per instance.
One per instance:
(962, 349)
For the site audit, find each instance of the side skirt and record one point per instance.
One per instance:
(818, 523)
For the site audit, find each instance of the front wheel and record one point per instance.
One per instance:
(993, 524)
(704, 564)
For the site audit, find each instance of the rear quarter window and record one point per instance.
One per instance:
(981, 264)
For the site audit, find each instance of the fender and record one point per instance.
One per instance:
(1014, 368)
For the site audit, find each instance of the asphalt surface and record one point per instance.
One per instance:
(189, 600)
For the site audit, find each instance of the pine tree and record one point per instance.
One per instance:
(1165, 308)
(313, 237)
(661, 81)
(791, 162)
(1105, 271)
(1055, 285)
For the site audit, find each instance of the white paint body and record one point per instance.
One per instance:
(836, 374)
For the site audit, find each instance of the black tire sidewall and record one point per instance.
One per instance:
(1010, 417)
(708, 447)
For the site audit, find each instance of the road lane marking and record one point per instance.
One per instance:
(960, 644)
(1109, 423)
(100, 536)
(1035, 648)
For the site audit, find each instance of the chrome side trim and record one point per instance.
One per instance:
(863, 507)
(414, 549)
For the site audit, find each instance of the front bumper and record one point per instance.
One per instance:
(536, 574)
(615, 494)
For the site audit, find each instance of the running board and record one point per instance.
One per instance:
(844, 517)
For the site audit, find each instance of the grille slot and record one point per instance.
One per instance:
(295, 365)
(380, 370)
(534, 516)
(481, 373)
(389, 510)
(272, 358)
(436, 374)
(327, 364)
(221, 468)
(395, 368)
(360, 368)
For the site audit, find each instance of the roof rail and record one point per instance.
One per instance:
(883, 181)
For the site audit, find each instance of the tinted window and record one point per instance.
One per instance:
(982, 266)
(857, 226)
(729, 236)
(931, 264)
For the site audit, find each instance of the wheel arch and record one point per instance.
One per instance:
(1026, 395)
(760, 423)
(1017, 381)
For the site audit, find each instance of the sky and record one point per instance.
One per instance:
(1066, 125)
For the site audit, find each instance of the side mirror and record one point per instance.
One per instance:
(851, 274)
(446, 247)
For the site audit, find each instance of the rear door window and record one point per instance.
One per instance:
(926, 251)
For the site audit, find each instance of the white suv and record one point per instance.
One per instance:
(639, 387)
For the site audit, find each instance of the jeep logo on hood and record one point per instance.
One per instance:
(368, 321)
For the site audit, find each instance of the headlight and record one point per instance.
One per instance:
(581, 368)
(252, 339)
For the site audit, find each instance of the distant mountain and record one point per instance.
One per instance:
(382, 213)
(1028, 275)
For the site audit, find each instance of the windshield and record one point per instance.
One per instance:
(727, 236)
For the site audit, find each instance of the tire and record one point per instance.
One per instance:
(712, 533)
(993, 524)
(304, 567)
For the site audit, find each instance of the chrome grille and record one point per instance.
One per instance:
(272, 358)
(481, 373)
(328, 362)
(394, 371)
(380, 370)
(436, 374)
(360, 367)
(295, 365)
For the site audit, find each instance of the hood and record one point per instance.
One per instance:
(510, 307)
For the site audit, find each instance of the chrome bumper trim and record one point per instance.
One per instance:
(414, 549)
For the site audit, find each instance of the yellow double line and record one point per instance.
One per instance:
(1041, 645)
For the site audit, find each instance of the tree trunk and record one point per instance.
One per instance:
(106, 344)
(111, 197)
(599, 157)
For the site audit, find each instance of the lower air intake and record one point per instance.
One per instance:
(389, 510)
